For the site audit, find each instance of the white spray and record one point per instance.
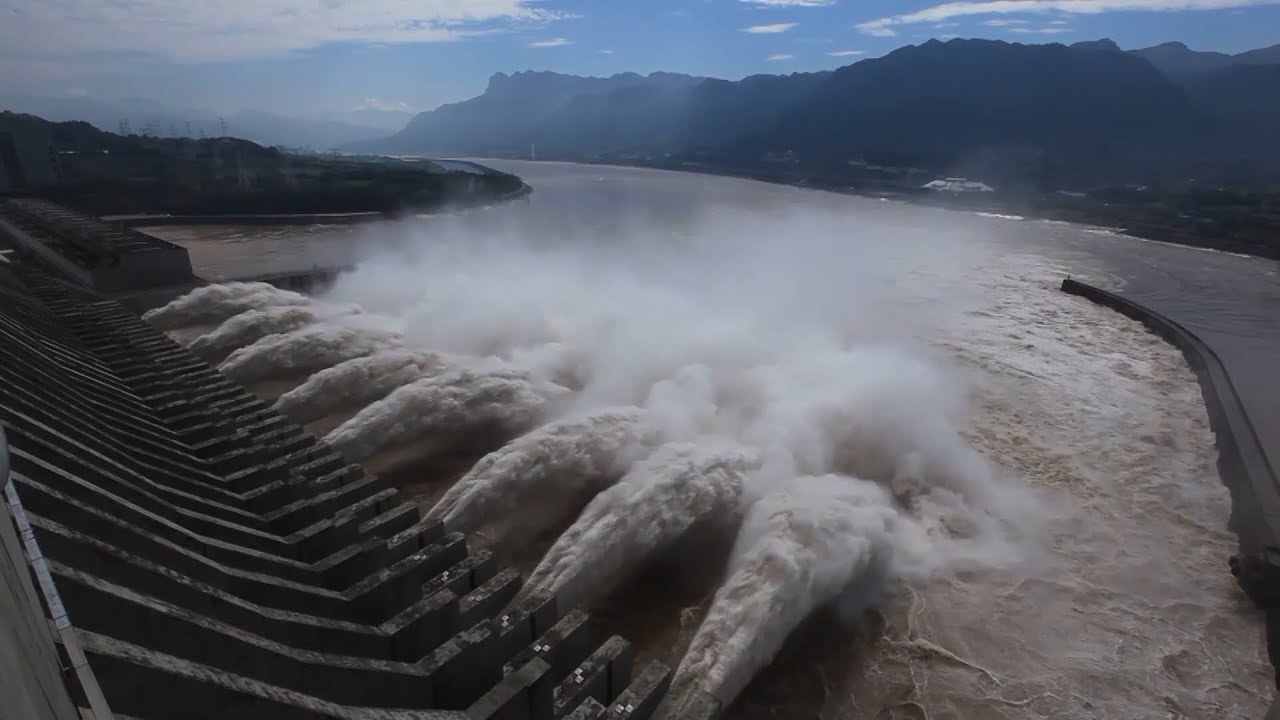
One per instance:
(652, 507)
(453, 402)
(249, 327)
(357, 383)
(798, 548)
(305, 351)
(769, 302)
(214, 304)
(546, 473)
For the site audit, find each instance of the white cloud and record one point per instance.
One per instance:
(779, 57)
(605, 52)
(374, 103)
(885, 26)
(213, 30)
(1050, 30)
(768, 29)
(1003, 23)
(1058, 22)
(790, 3)
(846, 53)
(553, 42)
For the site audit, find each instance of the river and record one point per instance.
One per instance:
(1114, 601)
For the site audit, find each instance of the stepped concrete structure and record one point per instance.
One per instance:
(96, 254)
(174, 548)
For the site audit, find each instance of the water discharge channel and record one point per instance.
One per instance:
(717, 405)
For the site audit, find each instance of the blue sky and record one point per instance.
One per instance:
(329, 56)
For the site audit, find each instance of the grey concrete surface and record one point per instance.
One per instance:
(234, 567)
(31, 682)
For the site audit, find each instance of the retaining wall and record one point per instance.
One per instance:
(1242, 464)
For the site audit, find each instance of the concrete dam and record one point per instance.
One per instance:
(479, 474)
(175, 548)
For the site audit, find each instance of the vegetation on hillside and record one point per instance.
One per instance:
(104, 173)
(1242, 221)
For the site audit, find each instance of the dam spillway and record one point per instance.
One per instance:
(993, 643)
(196, 555)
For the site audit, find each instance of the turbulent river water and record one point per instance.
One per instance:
(829, 457)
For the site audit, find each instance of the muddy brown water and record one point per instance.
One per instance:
(1132, 613)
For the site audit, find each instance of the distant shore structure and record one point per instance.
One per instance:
(957, 185)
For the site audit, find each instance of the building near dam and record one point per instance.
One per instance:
(957, 185)
(174, 548)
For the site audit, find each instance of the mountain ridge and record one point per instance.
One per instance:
(165, 120)
(1047, 114)
(1176, 59)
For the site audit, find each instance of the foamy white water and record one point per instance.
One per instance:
(452, 402)
(546, 473)
(249, 327)
(357, 382)
(213, 304)
(798, 549)
(305, 351)
(651, 508)
(1068, 545)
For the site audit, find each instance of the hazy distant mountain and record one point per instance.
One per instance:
(992, 108)
(556, 115)
(1175, 58)
(271, 129)
(1244, 100)
(141, 116)
(1103, 45)
(381, 118)
(1261, 56)
(517, 112)
(1049, 115)
(1242, 94)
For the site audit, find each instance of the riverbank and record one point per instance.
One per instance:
(294, 219)
(1243, 223)
(226, 179)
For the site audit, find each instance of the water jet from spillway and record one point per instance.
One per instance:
(664, 495)
(545, 474)
(305, 351)
(798, 549)
(447, 405)
(357, 382)
(213, 304)
(251, 326)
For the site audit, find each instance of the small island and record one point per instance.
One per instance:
(104, 174)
